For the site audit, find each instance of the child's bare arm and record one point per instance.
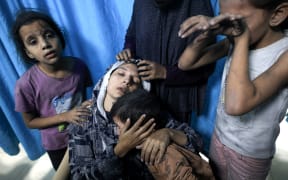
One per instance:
(76, 116)
(201, 52)
(195, 56)
(243, 94)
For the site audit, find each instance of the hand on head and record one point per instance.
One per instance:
(126, 54)
(149, 70)
(129, 138)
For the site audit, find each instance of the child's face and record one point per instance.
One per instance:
(124, 79)
(41, 42)
(256, 19)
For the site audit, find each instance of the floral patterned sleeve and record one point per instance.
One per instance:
(195, 142)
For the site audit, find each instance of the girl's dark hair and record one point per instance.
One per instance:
(25, 17)
(270, 5)
(132, 105)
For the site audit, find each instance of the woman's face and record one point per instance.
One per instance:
(124, 79)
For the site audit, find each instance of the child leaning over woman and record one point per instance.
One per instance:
(177, 163)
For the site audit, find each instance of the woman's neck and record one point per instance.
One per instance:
(108, 103)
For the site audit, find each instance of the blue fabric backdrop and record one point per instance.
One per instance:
(94, 31)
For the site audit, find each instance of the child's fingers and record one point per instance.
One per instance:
(160, 155)
(145, 133)
(220, 18)
(138, 123)
(193, 24)
(87, 103)
(126, 126)
(187, 27)
(224, 18)
(147, 128)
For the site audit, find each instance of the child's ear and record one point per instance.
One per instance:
(29, 54)
(280, 14)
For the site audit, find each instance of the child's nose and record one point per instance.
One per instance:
(44, 43)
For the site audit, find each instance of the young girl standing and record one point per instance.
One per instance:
(254, 95)
(49, 93)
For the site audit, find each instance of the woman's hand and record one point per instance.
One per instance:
(124, 55)
(129, 139)
(154, 147)
(149, 70)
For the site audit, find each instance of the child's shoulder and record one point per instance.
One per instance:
(31, 75)
(283, 57)
(32, 71)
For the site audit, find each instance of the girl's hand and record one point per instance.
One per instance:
(149, 70)
(124, 55)
(76, 115)
(129, 139)
(154, 147)
(87, 103)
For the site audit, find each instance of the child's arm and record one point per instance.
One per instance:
(182, 134)
(155, 145)
(243, 94)
(63, 170)
(196, 55)
(76, 116)
(200, 52)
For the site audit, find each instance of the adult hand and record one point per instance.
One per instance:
(124, 55)
(130, 138)
(154, 147)
(149, 70)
